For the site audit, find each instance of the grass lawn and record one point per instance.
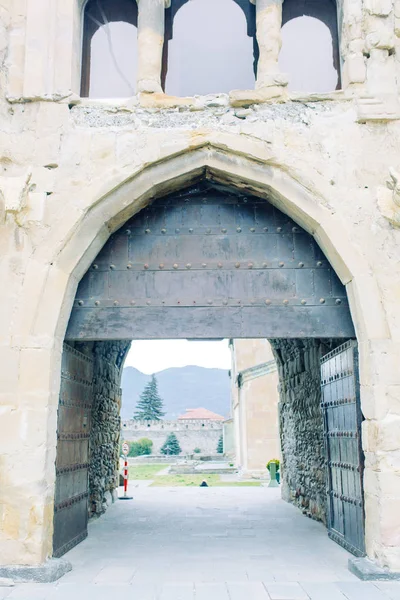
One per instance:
(184, 480)
(213, 480)
(145, 471)
(150, 472)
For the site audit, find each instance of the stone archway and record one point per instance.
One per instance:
(208, 261)
(75, 240)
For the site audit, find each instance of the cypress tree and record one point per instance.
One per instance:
(150, 405)
(220, 445)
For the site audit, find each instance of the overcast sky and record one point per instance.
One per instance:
(152, 356)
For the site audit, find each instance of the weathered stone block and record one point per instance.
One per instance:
(265, 94)
(381, 8)
(355, 70)
(50, 571)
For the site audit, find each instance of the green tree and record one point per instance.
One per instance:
(150, 405)
(171, 445)
(220, 445)
(141, 447)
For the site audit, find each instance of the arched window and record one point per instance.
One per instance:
(109, 57)
(310, 45)
(210, 47)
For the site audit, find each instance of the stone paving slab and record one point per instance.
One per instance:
(91, 592)
(195, 590)
(177, 591)
(361, 591)
(258, 573)
(211, 591)
(115, 575)
(247, 591)
(168, 542)
(390, 588)
(323, 591)
(286, 591)
(30, 591)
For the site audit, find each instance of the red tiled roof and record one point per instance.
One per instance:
(202, 414)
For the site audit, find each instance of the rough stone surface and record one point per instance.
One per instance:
(50, 571)
(301, 424)
(105, 421)
(106, 424)
(366, 570)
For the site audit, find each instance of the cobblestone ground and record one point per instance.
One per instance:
(206, 544)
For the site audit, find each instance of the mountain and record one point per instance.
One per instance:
(180, 388)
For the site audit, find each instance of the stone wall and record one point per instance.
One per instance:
(301, 423)
(74, 170)
(105, 421)
(191, 433)
(229, 438)
(254, 404)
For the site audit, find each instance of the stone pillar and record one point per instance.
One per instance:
(105, 424)
(352, 44)
(151, 31)
(39, 48)
(269, 24)
(378, 26)
(255, 404)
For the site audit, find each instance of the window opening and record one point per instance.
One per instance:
(109, 56)
(310, 45)
(210, 47)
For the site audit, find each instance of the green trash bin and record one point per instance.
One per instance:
(273, 468)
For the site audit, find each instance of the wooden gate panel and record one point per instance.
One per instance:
(345, 461)
(72, 461)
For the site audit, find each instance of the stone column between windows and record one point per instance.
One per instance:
(151, 26)
(268, 27)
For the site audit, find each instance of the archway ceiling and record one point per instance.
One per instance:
(210, 262)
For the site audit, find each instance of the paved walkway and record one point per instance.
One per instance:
(206, 544)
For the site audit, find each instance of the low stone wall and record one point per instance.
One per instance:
(301, 423)
(191, 434)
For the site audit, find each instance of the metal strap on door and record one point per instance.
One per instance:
(72, 461)
(345, 460)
